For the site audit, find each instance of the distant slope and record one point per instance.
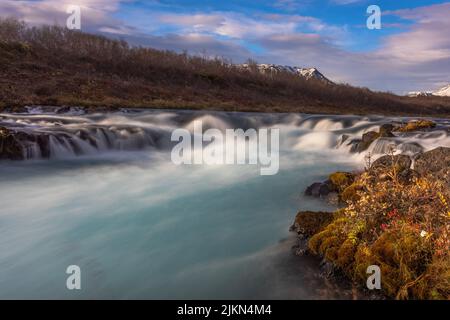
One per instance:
(271, 69)
(56, 66)
(442, 92)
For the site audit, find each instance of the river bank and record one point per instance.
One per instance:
(394, 214)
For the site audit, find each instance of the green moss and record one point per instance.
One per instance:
(350, 193)
(346, 254)
(309, 223)
(341, 180)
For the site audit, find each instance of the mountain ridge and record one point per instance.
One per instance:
(306, 73)
(442, 92)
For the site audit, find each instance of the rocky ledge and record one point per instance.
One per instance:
(396, 215)
(388, 130)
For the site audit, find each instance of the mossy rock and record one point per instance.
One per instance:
(350, 194)
(330, 237)
(309, 223)
(346, 255)
(341, 180)
(417, 125)
(400, 254)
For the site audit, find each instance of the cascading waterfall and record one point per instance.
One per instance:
(140, 226)
(48, 133)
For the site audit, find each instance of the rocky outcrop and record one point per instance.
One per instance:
(368, 138)
(416, 125)
(386, 130)
(306, 224)
(19, 145)
(399, 162)
(10, 148)
(332, 188)
(435, 163)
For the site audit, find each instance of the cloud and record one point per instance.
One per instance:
(344, 2)
(428, 39)
(95, 14)
(240, 26)
(418, 58)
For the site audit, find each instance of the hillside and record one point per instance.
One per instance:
(56, 66)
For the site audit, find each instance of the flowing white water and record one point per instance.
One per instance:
(110, 200)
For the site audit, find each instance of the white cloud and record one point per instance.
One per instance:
(416, 59)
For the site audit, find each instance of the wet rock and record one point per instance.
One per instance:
(417, 125)
(400, 162)
(410, 147)
(343, 139)
(319, 189)
(366, 141)
(355, 145)
(327, 269)
(10, 147)
(386, 130)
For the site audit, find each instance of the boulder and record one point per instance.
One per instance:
(434, 163)
(386, 130)
(401, 162)
(308, 223)
(319, 189)
(366, 141)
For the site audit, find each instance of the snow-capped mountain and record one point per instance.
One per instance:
(443, 92)
(420, 94)
(307, 73)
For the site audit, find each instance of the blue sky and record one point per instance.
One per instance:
(410, 52)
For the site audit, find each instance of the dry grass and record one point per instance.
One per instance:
(401, 224)
(55, 66)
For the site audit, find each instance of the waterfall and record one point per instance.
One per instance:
(59, 133)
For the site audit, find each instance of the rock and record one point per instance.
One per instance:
(319, 189)
(434, 163)
(343, 139)
(417, 125)
(367, 140)
(386, 130)
(408, 175)
(341, 180)
(308, 223)
(401, 162)
(410, 147)
(313, 190)
(10, 148)
(327, 269)
(355, 145)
